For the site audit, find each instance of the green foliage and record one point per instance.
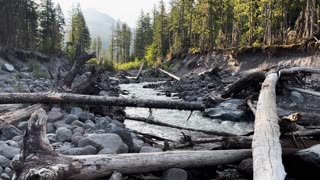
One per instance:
(129, 65)
(37, 71)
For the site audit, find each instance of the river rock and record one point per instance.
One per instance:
(63, 134)
(23, 125)
(54, 115)
(10, 131)
(71, 117)
(88, 150)
(51, 128)
(78, 123)
(297, 97)
(1, 170)
(246, 167)
(52, 138)
(103, 141)
(4, 162)
(227, 110)
(304, 164)
(12, 143)
(174, 174)
(148, 149)
(122, 149)
(126, 138)
(137, 144)
(76, 139)
(76, 111)
(5, 176)
(17, 139)
(8, 151)
(83, 116)
(79, 130)
(8, 67)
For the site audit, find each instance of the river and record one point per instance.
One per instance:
(175, 117)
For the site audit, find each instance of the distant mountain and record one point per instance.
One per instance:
(99, 24)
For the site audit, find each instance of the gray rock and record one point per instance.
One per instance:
(123, 149)
(12, 143)
(63, 134)
(103, 123)
(8, 67)
(103, 141)
(1, 170)
(116, 176)
(23, 125)
(79, 130)
(118, 123)
(5, 176)
(8, 171)
(64, 147)
(88, 150)
(137, 145)
(70, 118)
(148, 149)
(77, 134)
(55, 115)
(78, 123)
(76, 111)
(227, 110)
(52, 138)
(51, 128)
(4, 162)
(10, 131)
(246, 167)
(8, 151)
(297, 97)
(126, 138)
(59, 124)
(83, 116)
(89, 126)
(306, 161)
(17, 138)
(76, 139)
(174, 174)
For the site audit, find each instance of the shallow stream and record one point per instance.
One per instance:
(175, 117)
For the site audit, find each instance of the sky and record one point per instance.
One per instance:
(125, 10)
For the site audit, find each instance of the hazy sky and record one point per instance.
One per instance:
(125, 10)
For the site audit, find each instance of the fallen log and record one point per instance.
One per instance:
(139, 72)
(65, 98)
(159, 123)
(18, 115)
(39, 161)
(169, 74)
(305, 91)
(266, 147)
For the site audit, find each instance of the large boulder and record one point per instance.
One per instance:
(228, 110)
(88, 150)
(8, 151)
(8, 67)
(112, 142)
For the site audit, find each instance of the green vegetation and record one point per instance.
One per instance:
(36, 70)
(129, 65)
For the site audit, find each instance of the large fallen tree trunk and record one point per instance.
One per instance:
(65, 98)
(169, 74)
(39, 161)
(266, 147)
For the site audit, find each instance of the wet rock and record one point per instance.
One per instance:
(63, 134)
(71, 117)
(304, 164)
(4, 162)
(246, 167)
(148, 149)
(83, 116)
(8, 151)
(8, 67)
(126, 138)
(296, 97)
(78, 123)
(88, 150)
(76, 111)
(54, 115)
(227, 110)
(10, 131)
(174, 174)
(103, 141)
(5, 176)
(79, 130)
(137, 144)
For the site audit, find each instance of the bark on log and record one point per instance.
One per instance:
(266, 147)
(18, 115)
(38, 161)
(169, 74)
(65, 98)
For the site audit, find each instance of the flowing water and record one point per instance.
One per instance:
(175, 117)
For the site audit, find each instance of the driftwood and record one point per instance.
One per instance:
(169, 74)
(139, 72)
(65, 98)
(39, 161)
(18, 115)
(305, 91)
(159, 123)
(266, 147)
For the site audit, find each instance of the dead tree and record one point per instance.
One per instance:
(40, 161)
